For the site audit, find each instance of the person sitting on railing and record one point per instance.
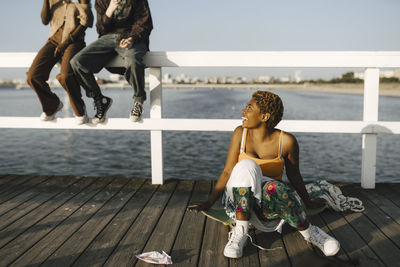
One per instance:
(251, 180)
(124, 28)
(68, 21)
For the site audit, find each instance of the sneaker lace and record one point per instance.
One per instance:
(98, 106)
(235, 237)
(137, 109)
(317, 237)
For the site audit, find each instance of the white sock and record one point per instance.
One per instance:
(306, 233)
(245, 225)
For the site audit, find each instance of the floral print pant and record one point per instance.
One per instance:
(277, 200)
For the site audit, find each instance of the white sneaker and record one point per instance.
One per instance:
(237, 241)
(329, 245)
(79, 120)
(45, 117)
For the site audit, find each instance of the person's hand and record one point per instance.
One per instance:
(316, 203)
(114, 4)
(198, 206)
(126, 43)
(59, 51)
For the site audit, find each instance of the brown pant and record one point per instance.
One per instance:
(39, 73)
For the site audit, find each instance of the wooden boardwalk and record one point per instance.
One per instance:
(72, 221)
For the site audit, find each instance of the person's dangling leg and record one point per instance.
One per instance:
(279, 200)
(90, 60)
(134, 75)
(68, 81)
(241, 188)
(37, 77)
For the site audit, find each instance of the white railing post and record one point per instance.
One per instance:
(371, 102)
(155, 85)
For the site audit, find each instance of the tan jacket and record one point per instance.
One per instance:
(64, 13)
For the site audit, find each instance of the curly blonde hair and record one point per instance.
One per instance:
(270, 103)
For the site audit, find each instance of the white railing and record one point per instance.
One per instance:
(369, 127)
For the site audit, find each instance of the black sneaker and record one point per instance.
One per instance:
(137, 112)
(101, 105)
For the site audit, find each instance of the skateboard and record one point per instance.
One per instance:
(219, 215)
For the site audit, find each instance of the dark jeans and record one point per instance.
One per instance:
(98, 54)
(39, 73)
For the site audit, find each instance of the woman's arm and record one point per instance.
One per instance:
(291, 155)
(231, 160)
(45, 14)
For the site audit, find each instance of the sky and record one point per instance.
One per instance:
(232, 25)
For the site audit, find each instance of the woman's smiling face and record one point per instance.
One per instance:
(251, 115)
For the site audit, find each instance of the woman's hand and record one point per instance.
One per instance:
(198, 206)
(316, 203)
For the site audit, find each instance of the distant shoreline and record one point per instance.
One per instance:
(385, 89)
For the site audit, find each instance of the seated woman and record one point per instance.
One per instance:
(251, 179)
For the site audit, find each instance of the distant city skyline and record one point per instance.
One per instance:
(230, 25)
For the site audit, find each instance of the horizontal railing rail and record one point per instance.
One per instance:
(320, 59)
(214, 125)
(369, 127)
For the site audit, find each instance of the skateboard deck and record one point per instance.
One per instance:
(219, 215)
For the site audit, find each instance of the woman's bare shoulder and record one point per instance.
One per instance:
(289, 141)
(237, 133)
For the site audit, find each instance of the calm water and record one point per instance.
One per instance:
(190, 155)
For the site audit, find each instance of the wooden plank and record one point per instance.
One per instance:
(340, 259)
(8, 178)
(381, 200)
(103, 245)
(40, 194)
(136, 237)
(214, 241)
(165, 232)
(372, 226)
(371, 238)
(44, 203)
(395, 186)
(376, 240)
(391, 192)
(296, 247)
(70, 250)
(13, 186)
(350, 241)
(76, 212)
(276, 257)
(250, 254)
(19, 186)
(186, 251)
(215, 236)
(31, 228)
